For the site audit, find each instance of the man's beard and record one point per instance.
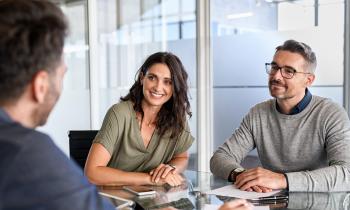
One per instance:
(42, 112)
(277, 83)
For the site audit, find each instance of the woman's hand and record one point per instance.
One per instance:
(161, 172)
(239, 204)
(172, 180)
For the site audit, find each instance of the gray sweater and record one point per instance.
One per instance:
(311, 147)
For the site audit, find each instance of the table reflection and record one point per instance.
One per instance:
(191, 195)
(332, 201)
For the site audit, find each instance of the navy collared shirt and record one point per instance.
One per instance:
(301, 105)
(38, 173)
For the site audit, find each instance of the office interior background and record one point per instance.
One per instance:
(223, 44)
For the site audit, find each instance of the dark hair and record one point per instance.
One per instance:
(172, 115)
(32, 34)
(302, 49)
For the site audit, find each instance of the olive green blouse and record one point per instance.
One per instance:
(120, 134)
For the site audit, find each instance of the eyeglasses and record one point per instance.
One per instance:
(286, 71)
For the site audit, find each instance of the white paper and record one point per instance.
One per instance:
(215, 207)
(232, 191)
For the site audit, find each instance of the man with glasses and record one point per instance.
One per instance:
(303, 140)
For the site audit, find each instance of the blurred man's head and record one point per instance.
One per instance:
(32, 34)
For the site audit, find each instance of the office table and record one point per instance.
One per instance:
(191, 195)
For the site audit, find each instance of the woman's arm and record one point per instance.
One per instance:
(98, 173)
(180, 161)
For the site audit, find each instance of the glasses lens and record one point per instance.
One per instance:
(271, 68)
(268, 68)
(287, 72)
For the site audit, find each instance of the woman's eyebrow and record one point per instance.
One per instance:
(155, 75)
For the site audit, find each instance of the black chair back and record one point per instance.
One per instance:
(80, 142)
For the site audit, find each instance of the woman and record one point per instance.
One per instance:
(144, 139)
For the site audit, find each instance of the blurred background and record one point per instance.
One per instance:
(110, 39)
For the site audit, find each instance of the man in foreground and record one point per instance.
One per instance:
(35, 174)
(303, 140)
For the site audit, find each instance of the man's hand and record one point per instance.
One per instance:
(260, 179)
(237, 205)
(259, 189)
(161, 172)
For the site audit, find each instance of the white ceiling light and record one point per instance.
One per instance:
(239, 15)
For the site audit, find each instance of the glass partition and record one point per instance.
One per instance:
(129, 31)
(244, 36)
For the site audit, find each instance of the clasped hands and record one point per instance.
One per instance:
(260, 180)
(166, 173)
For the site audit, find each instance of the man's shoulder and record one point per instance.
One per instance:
(8, 153)
(326, 106)
(36, 164)
(264, 106)
(324, 100)
(325, 103)
(29, 149)
(22, 147)
(15, 134)
(20, 142)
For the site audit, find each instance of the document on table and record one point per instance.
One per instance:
(216, 207)
(232, 191)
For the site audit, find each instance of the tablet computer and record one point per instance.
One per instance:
(118, 202)
(140, 190)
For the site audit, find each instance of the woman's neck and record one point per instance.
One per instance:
(149, 113)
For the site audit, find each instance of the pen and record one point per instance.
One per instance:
(275, 197)
(271, 203)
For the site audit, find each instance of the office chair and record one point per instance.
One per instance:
(80, 142)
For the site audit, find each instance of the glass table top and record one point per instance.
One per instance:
(192, 195)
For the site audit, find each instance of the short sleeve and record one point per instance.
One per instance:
(108, 135)
(185, 141)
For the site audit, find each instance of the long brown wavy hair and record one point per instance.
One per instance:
(172, 115)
